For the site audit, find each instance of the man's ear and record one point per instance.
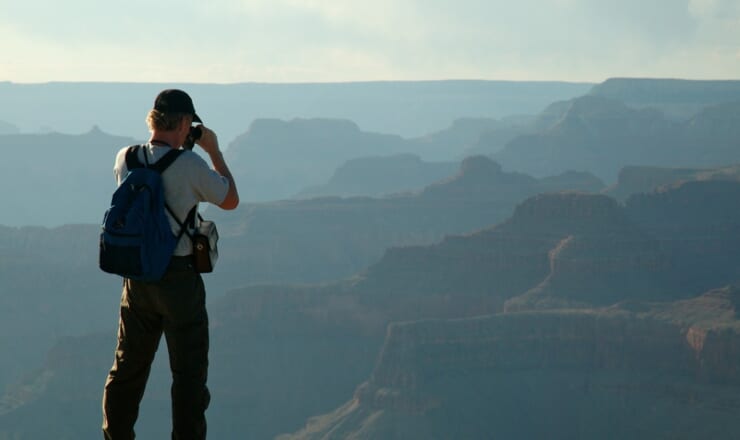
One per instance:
(185, 122)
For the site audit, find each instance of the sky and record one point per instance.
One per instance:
(278, 41)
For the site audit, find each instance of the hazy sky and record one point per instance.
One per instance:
(349, 40)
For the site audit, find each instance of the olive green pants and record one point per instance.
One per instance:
(176, 307)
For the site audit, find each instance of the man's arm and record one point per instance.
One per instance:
(209, 142)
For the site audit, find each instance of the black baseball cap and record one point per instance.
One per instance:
(175, 101)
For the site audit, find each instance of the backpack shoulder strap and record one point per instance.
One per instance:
(132, 159)
(166, 160)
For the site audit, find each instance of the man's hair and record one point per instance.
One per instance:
(156, 120)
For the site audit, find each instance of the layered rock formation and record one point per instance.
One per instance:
(455, 141)
(696, 224)
(621, 365)
(600, 256)
(638, 180)
(678, 98)
(378, 176)
(276, 159)
(55, 179)
(566, 249)
(331, 238)
(602, 135)
(612, 373)
(66, 389)
(49, 284)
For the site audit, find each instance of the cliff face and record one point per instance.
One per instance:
(569, 213)
(331, 238)
(49, 282)
(619, 364)
(677, 98)
(673, 243)
(600, 257)
(481, 177)
(687, 209)
(634, 180)
(378, 176)
(80, 165)
(465, 276)
(636, 369)
(277, 356)
(717, 120)
(276, 159)
(596, 115)
(588, 270)
(454, 141)
(698, 226)
(610, 373)
(557, 249)
(602, 135)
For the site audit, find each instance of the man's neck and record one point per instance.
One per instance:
(164, 138)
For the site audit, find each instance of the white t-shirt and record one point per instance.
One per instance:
(187, 181)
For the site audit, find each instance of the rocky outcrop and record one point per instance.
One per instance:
(600, 256)
(461, 276)
(378, 176)
(276, 159)
(479, 174)
(688, 209)
(569, 212)
(572, 181)
(66, 179)
(677, 98)
(634, 180)
(453, 142)
(696, 224)
(330, 238)
(718, 120)
(49, 287)
(639, 371)
(638, 180)
(602, 135)
(615, 363)
(592, 270)
(671, 244)
(572, 250)
(593, 115)
(628, 370)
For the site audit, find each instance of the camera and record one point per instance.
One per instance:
(195, 134)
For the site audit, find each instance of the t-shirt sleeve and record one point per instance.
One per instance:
(119, 167)
(208, 185)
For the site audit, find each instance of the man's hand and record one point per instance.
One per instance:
(208, 140)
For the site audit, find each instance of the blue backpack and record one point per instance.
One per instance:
(136, 240)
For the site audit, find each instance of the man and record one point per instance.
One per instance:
(174, 305)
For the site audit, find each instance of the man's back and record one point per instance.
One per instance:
(174, 305)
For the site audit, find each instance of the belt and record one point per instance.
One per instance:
(181, 263)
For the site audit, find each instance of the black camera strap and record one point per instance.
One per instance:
(189, 220)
